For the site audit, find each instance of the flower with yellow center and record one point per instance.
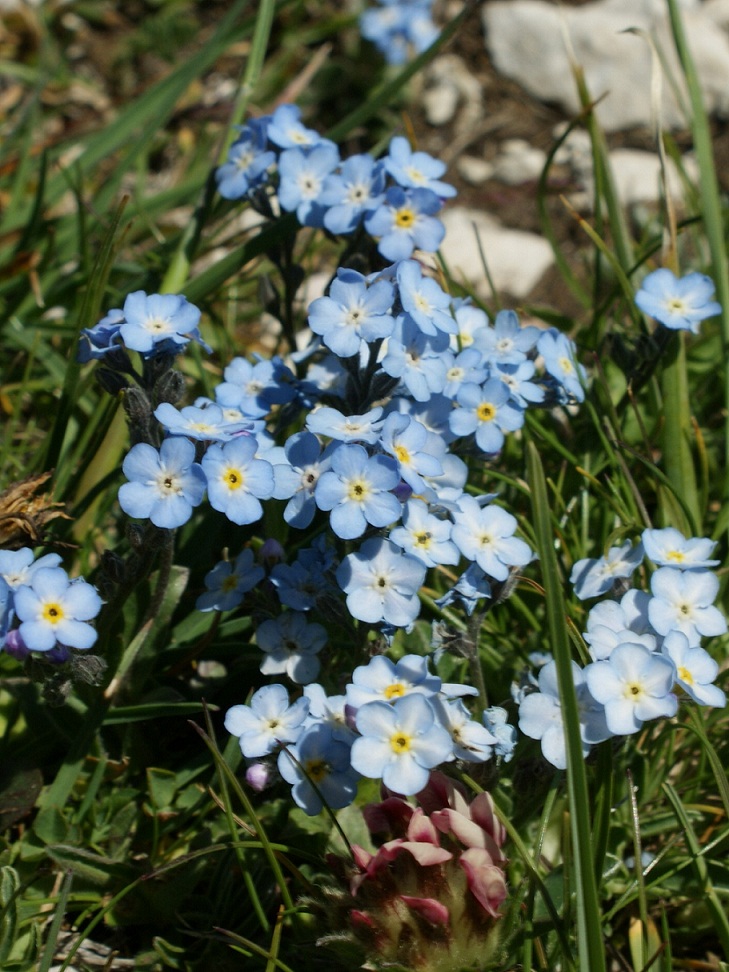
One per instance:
(400, 743)
(404, 218)
(54, 610)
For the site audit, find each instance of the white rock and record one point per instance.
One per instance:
(528, 41)
(448, 84)
(518, 162)
(440, 103)
(473, 169)
(637, 176)
(516, 260)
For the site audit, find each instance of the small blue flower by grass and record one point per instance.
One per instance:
(679, 303)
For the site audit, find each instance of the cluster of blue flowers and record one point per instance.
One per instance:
(445, 378)
(644, 646)
(399, 385)
(395, 198)
(395, 722)
(41, 609)
(399, 29)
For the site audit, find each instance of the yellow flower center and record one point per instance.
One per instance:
(230, 583)
(400, 742)
(566, 365)
(486, 412)
(402, 454)
(395, 691)
(358, 491)
(316, 769)
(52, 613)
(677, 556)
(233, 478)
(422, 539)
(685, 675)
(404, 218)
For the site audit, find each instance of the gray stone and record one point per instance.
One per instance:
(516, 260)
(528, 41)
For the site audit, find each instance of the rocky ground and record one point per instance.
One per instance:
(491, 105)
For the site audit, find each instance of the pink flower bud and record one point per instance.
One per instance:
(259, 776)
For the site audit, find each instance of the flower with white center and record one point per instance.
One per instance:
(154, 318)
(471, 740)
(486, 536)
(268, 722)
(695, 670)
(507, 342)
(346, 428)
(164, 485)
(18, 566)
(683, 599)
(352, 313)
(634, 684)
(400, 743)
(381, 583)
(424, 300)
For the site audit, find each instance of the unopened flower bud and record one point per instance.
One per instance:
(169, 387)
(259, 775)
(271, 553)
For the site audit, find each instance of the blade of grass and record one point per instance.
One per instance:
(711, 204)
(58, 916)
(589, 923)
(176, 277)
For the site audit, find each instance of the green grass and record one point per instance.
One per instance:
(127, 826)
